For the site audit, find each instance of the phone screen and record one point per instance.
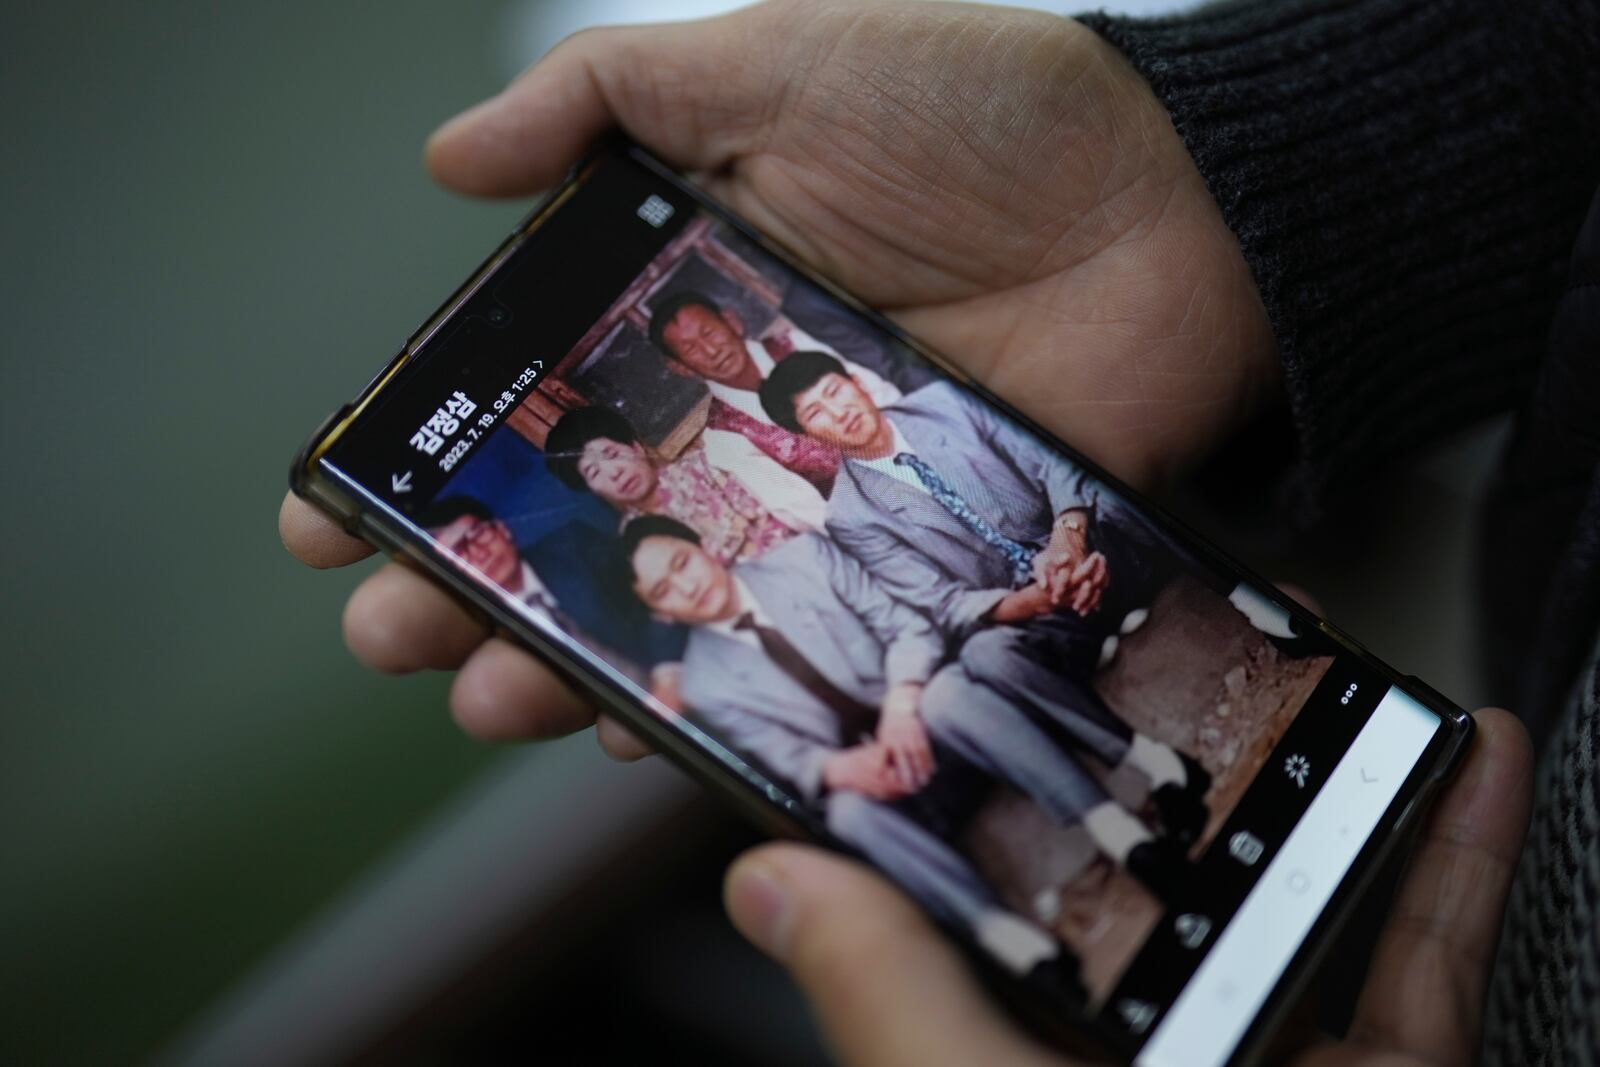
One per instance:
(1126, 775)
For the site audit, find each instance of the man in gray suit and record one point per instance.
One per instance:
(799, 662)
(1024, 562)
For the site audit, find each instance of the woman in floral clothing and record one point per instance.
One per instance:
(596, 449)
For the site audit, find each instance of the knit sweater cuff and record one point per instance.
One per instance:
(1404, 189)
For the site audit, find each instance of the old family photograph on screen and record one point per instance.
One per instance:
(988, 675)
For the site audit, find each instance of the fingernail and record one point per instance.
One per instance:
(761, 908)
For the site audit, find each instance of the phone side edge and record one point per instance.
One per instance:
(1399, 829)
(331, 428)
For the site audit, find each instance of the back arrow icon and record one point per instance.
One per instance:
(401, 483)
(1365, 777)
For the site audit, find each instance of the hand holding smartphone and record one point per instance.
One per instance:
(640, 439)
(1108, 834)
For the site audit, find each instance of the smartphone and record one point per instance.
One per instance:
(871, 605)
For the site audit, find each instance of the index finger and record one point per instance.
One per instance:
(314, 538)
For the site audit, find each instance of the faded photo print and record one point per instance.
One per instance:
(985, 672)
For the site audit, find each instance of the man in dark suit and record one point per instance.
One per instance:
(572, 575)
(801, 662)
(1026, 563)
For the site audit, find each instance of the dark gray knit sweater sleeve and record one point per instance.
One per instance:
(1405, 178)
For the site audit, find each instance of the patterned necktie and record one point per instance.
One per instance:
(1020, 556)
(855, 718)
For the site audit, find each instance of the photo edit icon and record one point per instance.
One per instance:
(1298, 768)
(656, 211)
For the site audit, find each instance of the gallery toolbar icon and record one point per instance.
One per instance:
(1246, 848)
(1191, 929)
(1137, 1015)
(1298, 768)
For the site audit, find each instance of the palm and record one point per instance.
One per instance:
(1014, 193)
(1000, 180)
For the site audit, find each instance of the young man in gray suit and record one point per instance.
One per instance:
(800, 662)
(1021, 558)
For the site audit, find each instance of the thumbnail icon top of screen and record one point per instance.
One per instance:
(656, 211)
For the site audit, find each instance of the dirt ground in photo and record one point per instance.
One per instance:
(1196, 676)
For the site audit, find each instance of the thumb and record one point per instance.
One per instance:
(887, 989)
(698, 93)
(1425, 991)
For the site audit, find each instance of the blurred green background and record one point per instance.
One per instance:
(217, 227)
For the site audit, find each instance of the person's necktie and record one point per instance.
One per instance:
(1020, 556)
(855, 718)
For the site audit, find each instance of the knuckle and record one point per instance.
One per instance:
(476, 698)
(377, 637)
(587, 40)
(828, 955)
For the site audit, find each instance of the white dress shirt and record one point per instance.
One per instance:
(534, 592)
(748, 401)
(791, 498)
(748, 605)
(886, 465)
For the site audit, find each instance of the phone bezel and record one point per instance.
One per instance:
(363, 513)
